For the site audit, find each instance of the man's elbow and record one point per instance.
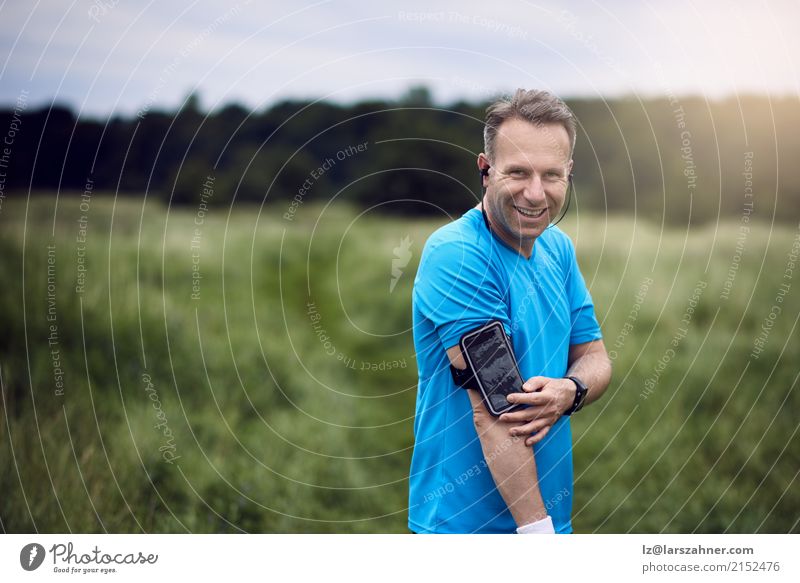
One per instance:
(608, 369)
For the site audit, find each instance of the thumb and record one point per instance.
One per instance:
(534, 384)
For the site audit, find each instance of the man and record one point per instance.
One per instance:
(503, 260)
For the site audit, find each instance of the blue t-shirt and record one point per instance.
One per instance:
(468, 276)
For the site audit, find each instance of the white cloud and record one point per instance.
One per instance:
(258, 53)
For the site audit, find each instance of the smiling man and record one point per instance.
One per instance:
(504, 260)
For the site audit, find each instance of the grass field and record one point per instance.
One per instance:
(233, 370)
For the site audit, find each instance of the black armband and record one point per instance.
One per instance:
(464, 378)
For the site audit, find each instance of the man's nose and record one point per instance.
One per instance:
(534, 191)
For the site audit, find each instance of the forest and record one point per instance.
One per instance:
(674, 159)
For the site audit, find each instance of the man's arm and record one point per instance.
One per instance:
(590, 363)
(548, 398)
(510, 461)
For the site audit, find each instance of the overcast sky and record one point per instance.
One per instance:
(104, 56)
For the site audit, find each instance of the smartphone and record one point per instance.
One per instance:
(489, 354)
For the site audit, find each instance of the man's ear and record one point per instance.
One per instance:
(483, 168)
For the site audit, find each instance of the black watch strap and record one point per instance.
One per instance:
(580, 396)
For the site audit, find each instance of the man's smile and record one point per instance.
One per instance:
(530, 213)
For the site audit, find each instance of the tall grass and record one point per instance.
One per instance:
(288, 386)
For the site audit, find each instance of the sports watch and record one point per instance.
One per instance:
(580, 395)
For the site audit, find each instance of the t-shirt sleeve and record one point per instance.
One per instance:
(457, 291)
(584, 322)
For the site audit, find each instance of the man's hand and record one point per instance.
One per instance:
(547, 400)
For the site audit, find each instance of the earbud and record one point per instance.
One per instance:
(484, 171)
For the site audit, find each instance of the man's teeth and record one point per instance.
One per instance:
(529, 213)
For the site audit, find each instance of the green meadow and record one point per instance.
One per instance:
(231, 369)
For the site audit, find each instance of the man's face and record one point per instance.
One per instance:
(528, 180)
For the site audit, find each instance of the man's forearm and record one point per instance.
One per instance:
(510, 461)
(593, 367)
(511, 464)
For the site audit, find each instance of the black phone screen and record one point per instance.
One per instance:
(494, 365)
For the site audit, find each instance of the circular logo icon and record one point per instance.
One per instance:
(31, 556)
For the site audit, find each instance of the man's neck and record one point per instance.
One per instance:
(522, 246)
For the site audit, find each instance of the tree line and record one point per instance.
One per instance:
(683, 159)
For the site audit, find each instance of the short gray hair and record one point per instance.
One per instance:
(534, 106)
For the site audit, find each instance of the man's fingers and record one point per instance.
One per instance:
(538, 437)
(534, 384)
(530, 428)
(520, 416)
(534, 399)
(531, 412)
